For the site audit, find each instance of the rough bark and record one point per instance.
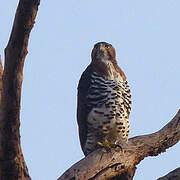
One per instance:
(173, 175)
(1, 73)
(12, 164)
(118, 164)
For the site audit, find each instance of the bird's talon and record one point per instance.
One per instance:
(118, 145)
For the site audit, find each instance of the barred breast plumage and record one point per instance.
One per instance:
(104, 102)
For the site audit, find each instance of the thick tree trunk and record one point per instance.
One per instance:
(1, 73)
(12, 164)
(121, 164)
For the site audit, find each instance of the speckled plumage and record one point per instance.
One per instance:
(103, 101)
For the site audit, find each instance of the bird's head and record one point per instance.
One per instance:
(103, 51)
(104, 61)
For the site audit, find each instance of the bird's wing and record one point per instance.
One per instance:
(82, 104)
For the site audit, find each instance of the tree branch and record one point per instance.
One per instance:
(118, 164)
(12, 164)
(173, 175)
(1, 73)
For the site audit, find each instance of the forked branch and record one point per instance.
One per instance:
(116, 164)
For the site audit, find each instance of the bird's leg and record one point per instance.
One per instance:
(100, 144)
(107, 144)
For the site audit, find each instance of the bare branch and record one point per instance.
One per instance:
(101, 165)
(12, 164)
(1, 68)
(173, 175)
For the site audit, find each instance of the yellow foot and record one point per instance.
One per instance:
(100, 144)
(106, 144)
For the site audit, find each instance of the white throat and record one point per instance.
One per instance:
(112, 73)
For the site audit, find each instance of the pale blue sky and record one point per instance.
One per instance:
(147, 40)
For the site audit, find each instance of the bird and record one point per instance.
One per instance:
(103, 101)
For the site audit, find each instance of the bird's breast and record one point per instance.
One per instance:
(109, 101)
